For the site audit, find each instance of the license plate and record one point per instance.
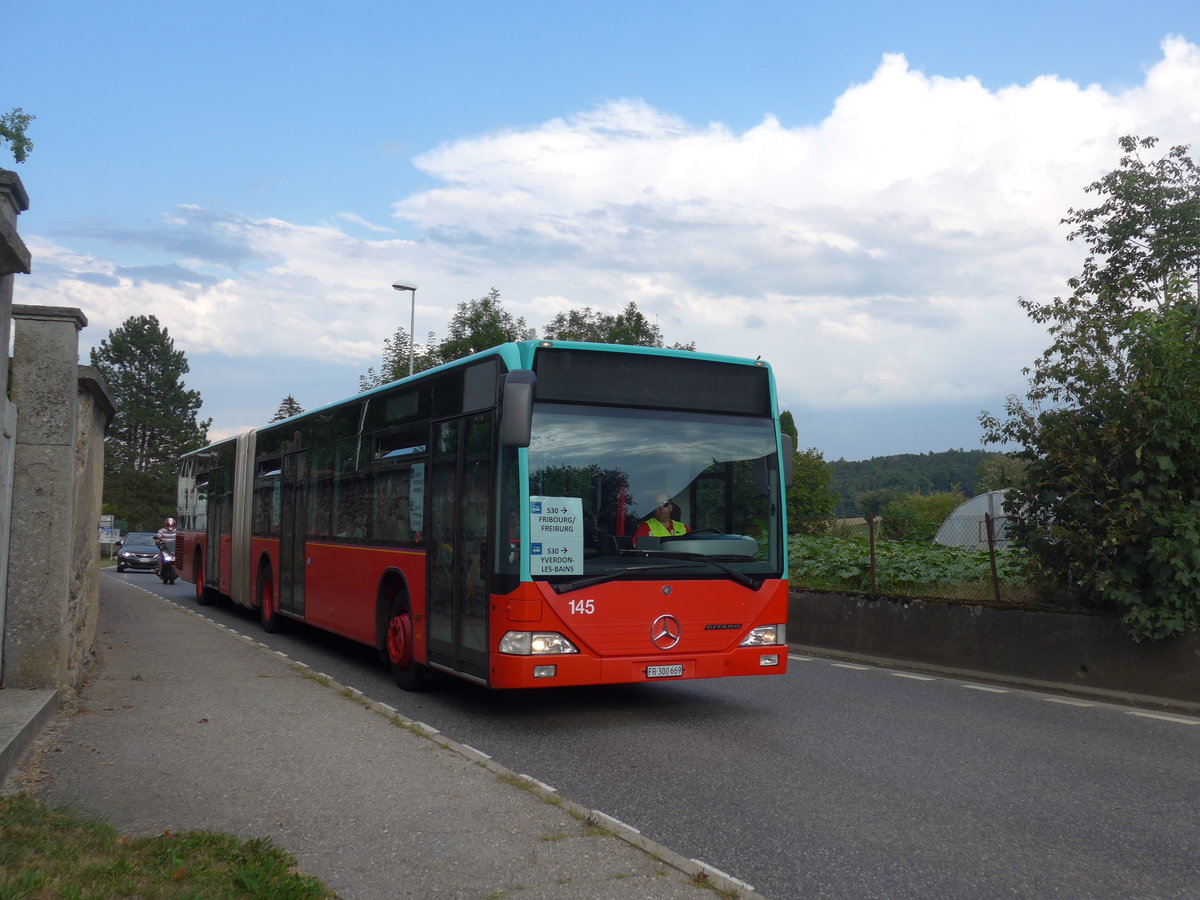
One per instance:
(664, 671)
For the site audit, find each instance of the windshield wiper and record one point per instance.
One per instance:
(740, 577)
(564, 587)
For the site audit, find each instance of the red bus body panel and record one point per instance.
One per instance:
(614, 640)
(341, 588)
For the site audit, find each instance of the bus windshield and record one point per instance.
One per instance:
(597, 476)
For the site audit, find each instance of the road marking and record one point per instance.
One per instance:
(1065, 702)
(982, 687)
(913, 677)
(800, 658)
(1164, 717)
(850, 666)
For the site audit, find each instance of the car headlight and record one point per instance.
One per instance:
(535, 643)
(764, 635)
(124, 554)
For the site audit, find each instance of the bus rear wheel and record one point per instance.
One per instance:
(204, 596)
(268, 606)
(408, 674)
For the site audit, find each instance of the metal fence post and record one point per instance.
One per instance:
(990, 524)
(871, 531)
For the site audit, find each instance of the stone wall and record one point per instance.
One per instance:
(94, 412)
(53, 414)
(53, 576)
(14, 259)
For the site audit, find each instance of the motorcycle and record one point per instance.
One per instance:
(166, 566)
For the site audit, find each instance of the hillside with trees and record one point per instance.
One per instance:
(905, 473)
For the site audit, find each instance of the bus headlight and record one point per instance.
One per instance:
(535, 643)
(764, 635)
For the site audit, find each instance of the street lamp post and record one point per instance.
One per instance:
(412, 318)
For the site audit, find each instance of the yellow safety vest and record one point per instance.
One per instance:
(658, 529)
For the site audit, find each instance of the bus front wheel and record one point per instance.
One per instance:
(268, 606)
(408, 674)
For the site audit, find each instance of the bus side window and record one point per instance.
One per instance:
(390, 505)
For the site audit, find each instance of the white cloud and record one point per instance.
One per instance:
(874, 257)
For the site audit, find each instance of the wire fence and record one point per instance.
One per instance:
(971, 560)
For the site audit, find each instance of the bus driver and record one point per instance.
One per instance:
(662, 522)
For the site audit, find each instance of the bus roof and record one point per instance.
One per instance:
(516, 355)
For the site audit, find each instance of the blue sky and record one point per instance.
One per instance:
(857, 192)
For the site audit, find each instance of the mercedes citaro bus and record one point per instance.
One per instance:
(482, 518)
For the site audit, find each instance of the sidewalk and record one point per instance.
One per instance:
(186, 725)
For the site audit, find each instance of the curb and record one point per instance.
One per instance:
(24, 713)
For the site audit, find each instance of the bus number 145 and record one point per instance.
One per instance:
(583, 607)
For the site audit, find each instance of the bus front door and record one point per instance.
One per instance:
(293, 527)
(457, 534)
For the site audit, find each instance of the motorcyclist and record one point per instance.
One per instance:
(165, 539)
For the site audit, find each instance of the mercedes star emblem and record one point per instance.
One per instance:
(665, 632)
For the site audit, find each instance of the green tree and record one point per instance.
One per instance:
(874, 502)
(810, 503)
(394, 365)
(156, 419)
(999, 471)
(917, 517)
(1110, 425)
(288, 407)
(629, 327)
(478, 325)
(481, 324)
(13, 126)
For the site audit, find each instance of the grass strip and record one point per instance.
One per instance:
(51, 853)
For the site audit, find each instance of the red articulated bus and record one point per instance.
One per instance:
(494, 518)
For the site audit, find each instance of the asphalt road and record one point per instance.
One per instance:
(839, 780)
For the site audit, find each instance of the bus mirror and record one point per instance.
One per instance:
(789, 458)
(516, 417)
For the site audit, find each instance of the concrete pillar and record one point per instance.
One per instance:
(14, 258)
(45, 388)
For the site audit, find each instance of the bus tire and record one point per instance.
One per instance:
(408, 675)
(268, 603)
(204, 594)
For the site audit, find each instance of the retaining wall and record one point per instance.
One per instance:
(1084, 653)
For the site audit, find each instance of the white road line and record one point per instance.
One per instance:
(800, 658)
(981, 687)
(1065, 702)
(850, 666)
(912, 676)
(1164, 717)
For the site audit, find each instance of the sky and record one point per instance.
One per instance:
(858, 193)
